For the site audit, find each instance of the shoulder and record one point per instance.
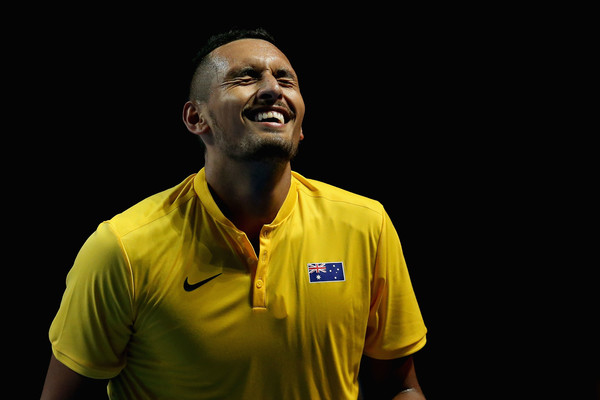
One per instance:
(333, 197)
(154, 210)
(326, 205)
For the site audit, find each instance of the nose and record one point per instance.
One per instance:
(269, 89)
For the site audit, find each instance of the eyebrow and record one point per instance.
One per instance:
(241, 71)
(255, 72)
(285, 73)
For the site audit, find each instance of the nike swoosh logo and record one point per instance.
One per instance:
(188, 288)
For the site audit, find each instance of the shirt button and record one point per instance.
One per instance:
(259, 283)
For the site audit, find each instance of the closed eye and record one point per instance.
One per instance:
(286, 77)
(287, 82)
(245, 80)
(248, 75)
(241, 76)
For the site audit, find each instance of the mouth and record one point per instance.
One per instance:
(274, 115)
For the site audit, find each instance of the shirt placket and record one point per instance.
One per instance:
(257, 264)
(259, 294)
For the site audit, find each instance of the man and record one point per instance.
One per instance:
(247, 280)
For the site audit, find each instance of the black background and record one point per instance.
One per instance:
(461, 122)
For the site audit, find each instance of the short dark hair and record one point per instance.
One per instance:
(221, 39)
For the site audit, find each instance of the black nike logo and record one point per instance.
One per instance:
(188, 288)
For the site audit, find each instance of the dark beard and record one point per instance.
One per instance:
(268, 151)
(254, 148)
(274, 149)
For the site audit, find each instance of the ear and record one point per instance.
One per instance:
(193, 119)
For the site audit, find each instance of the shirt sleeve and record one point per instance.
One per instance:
(91, 330)
(395, 326)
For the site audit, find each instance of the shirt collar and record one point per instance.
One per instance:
(203, 192)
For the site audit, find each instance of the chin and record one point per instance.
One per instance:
(272, 148)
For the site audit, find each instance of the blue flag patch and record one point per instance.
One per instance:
(326, 272)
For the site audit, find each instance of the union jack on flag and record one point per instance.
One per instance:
(326, 272)
(316, 267)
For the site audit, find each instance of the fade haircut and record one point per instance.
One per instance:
(198, 89)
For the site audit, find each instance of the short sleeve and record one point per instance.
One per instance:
(92, 327)
(395, 326)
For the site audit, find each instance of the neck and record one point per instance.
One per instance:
(249, 194)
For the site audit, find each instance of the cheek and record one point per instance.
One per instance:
(226, 110)
(298, 102)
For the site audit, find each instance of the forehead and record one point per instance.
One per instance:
(249, 52)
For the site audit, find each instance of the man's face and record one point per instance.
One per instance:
(254, 107)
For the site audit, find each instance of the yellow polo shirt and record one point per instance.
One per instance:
(170, 301)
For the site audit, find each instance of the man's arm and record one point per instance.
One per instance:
(390, 379)
(62, 383)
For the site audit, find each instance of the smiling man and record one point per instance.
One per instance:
(247, 280)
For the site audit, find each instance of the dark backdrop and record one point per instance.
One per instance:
(434, 112)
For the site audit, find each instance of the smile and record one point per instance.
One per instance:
(277, 115)
(271, 116)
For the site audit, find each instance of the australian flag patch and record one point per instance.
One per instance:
(326, 272)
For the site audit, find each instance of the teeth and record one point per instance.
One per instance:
(271, 114)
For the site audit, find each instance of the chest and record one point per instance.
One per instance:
(217, 302)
